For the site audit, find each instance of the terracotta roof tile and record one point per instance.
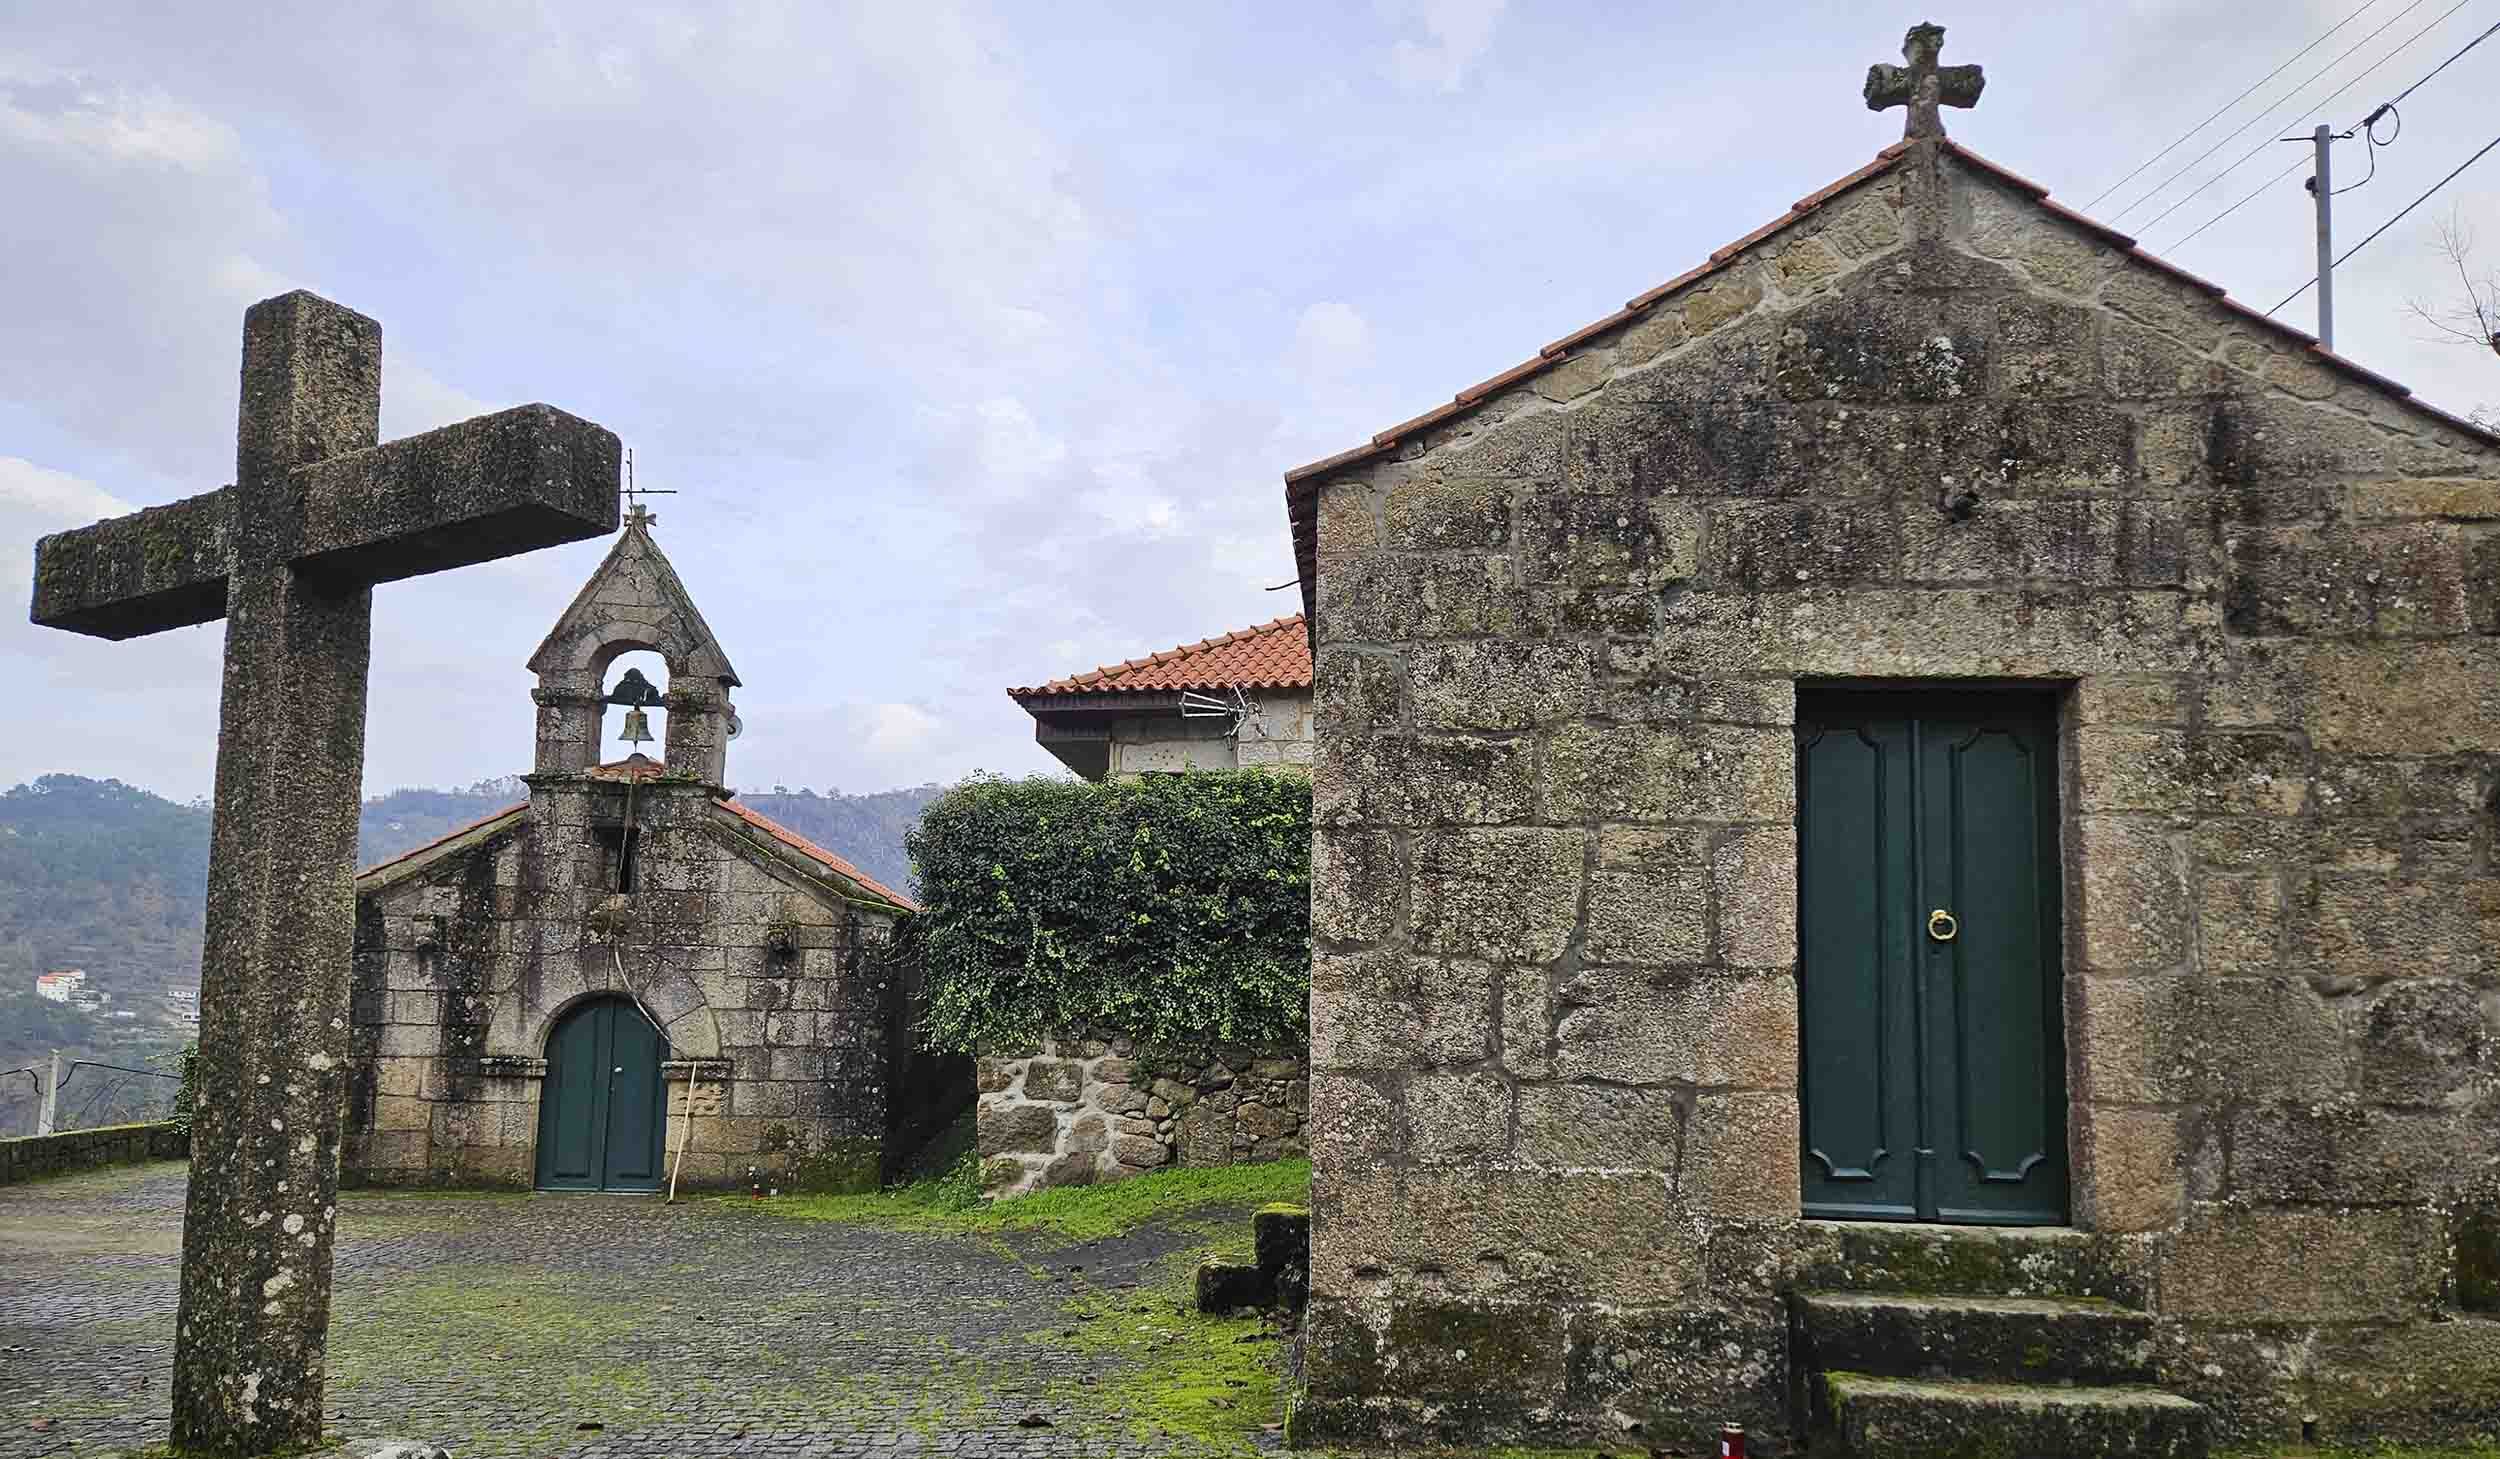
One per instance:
(1302, 482)
(814, 852)
(448, 836)
(1272, 655)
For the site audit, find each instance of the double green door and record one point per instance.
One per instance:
(600, 1120)
(1928, 980)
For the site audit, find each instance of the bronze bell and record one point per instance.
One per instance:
(637, 727)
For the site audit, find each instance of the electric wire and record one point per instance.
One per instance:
(2290, 168)
(2226, 106)
(2488, 33)
(2269, 108)
(2190, 195)
(2367, 130)
(2392, 222)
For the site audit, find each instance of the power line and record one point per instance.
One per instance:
(2392, 222)
(2288, 170)
(2268, 110)
(2190, 195)
(2364, 128)
(2226, 106)
(2444, 65)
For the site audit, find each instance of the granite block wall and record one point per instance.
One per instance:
(1560, 637)
(32, 1157)
(1080, 1109)
(774, 1000)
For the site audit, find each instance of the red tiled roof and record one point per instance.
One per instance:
(448, 836)
(1272, 655)
(1302, 483)
(636, 766)
(814, 852)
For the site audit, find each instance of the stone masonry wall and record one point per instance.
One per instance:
(32, 1157)
(773, 1001)
(1554, 1015)
(1083, 1109)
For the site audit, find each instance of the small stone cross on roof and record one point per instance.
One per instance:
(1922, 85)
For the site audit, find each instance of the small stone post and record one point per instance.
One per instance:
(49, 1111)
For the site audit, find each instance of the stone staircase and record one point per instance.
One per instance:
(1935, 1342)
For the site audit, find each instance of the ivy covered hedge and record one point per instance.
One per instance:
(1175, 909)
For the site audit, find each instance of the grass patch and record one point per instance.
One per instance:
(1174, 1374)
(947, 1205)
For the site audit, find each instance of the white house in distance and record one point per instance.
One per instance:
(61, 987)
(1231, 702)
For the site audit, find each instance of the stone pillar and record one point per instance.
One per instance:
(569, 718)
(254, 1317)
(698, 728)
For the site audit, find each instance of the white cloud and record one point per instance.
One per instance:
(41, 494)
(415, 399)
(1457, 32)
(1329, 340)
(896, 731)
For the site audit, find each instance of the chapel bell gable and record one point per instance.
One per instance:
(634, 602)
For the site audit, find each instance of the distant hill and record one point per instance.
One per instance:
(104, 876)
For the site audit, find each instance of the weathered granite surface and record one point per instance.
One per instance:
(1083, 1108)
(33, 1157)
(288, 554)
(1554, 1016)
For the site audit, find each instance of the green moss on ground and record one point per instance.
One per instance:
(943, 1205)
(1174, 1374)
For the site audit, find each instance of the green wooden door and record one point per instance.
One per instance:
(1932, 1070)
(600, 1120)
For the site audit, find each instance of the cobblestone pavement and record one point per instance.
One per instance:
(604, 1326)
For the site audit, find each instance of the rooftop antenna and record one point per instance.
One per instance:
(635, 512)
(1238, 709)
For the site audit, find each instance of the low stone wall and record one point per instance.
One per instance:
(1082, 1109)
(35, 1156)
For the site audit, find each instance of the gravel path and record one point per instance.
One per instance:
(602, 1326)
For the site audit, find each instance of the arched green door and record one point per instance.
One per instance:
(600, 1119)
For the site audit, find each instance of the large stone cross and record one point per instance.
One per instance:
(1922, 84)
(288, 555)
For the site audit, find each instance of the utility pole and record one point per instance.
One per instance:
(51, 1106)
(2322, 185)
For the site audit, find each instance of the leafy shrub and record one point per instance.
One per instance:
(1174, 909)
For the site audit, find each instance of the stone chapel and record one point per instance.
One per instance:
(1906, 855)
(631, 977)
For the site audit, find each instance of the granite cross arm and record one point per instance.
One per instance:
(492, 487)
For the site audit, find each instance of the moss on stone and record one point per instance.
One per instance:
(849, 1169)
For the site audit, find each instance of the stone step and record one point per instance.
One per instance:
(2002, 1339)
(1903, 1418)
(1972, 1261)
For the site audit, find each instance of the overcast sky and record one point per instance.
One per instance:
(977, 338)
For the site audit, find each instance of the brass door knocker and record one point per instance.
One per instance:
(1941, 926)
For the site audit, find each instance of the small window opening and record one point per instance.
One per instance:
(620, 849)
